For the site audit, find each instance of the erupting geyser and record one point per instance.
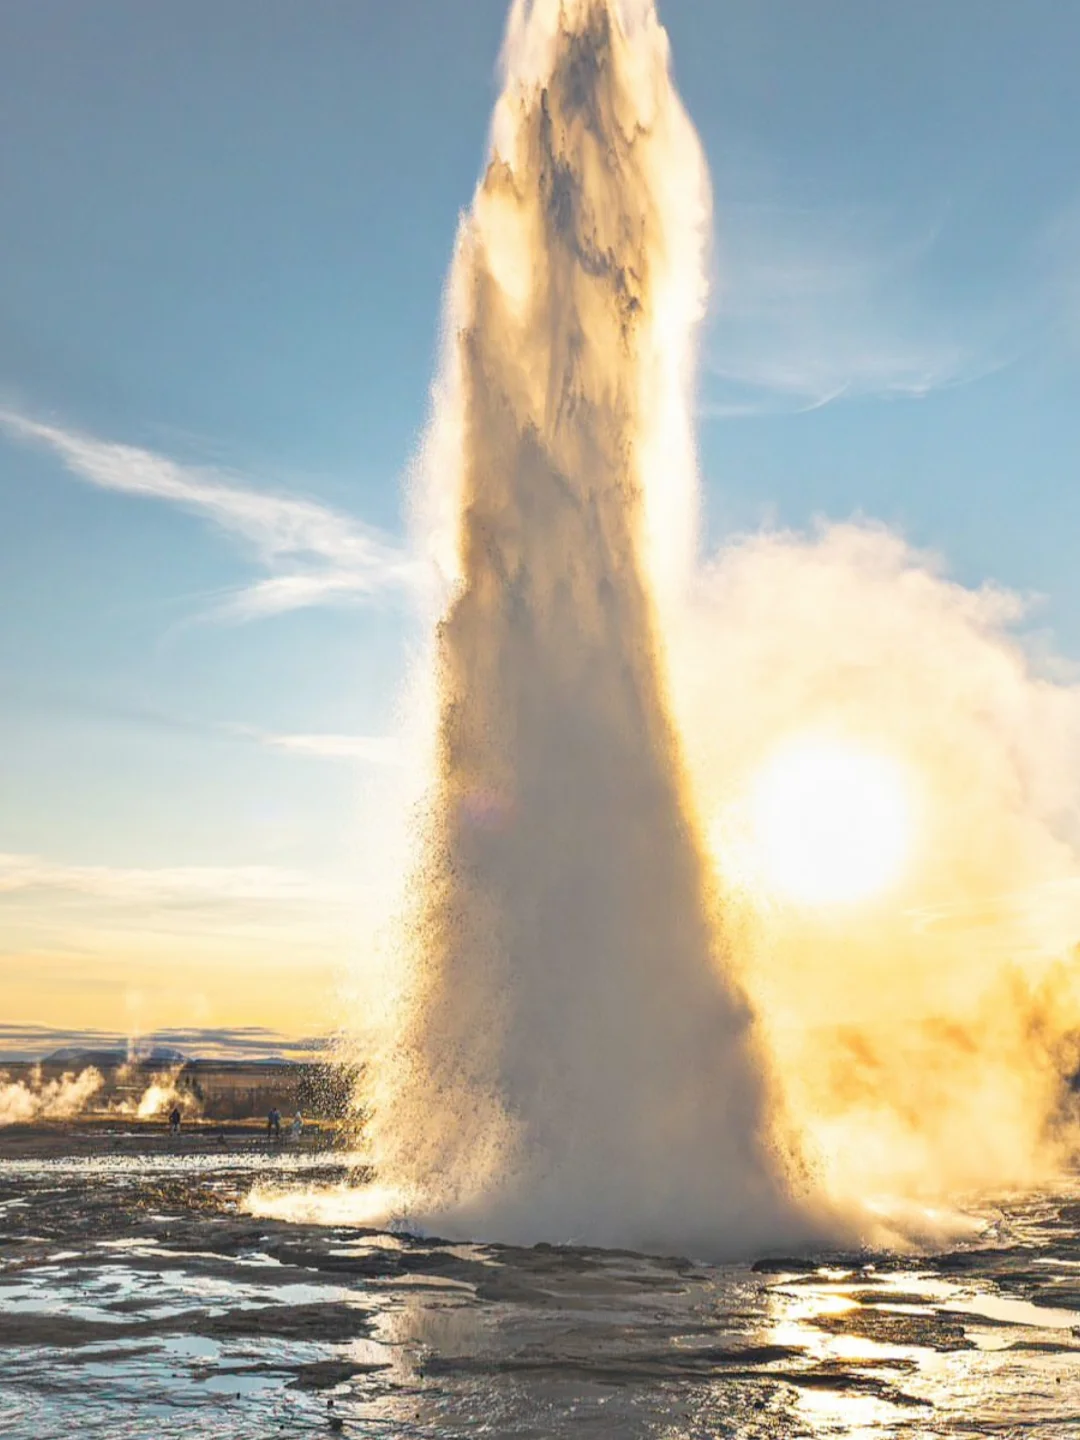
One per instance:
(562, 1049)
(570, 1059)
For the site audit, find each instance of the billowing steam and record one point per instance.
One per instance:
(72, 1096)
(163, 1093)
(22, 1102)
(922, 1036)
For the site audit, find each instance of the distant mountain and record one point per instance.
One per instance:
(159, 1055)
(163, 1047)
(80, 1057)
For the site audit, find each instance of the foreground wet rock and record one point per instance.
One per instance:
(137, 1298)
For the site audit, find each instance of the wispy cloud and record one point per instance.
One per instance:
(365, 749)
(185, 886)
(315, 555)
(368, 749)
(816, 307)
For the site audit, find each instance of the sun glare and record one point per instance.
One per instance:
(831, 822)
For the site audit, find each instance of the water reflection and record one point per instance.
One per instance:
(913, 1353)
(136, 1304)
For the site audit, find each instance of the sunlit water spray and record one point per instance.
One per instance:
(569, 1057)
(559, 1046)
(572, 1060)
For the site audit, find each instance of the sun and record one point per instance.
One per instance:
(831, 822)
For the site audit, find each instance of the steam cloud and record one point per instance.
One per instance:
(71, 1096)
(922, 1041)
(161, 1094)
(24, 1101)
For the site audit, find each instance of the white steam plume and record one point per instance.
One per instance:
(923, 1037)
(161, 1094)
(22, 1102)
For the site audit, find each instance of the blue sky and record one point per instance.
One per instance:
(226, 230)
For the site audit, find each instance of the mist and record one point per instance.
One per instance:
(923, 1038)
(22, 1102)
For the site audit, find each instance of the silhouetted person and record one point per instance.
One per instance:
(273, 1124)
(174, 1121)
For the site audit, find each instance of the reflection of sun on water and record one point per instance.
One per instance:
(829, 823)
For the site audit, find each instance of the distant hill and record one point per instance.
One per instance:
(79, 1057)
(251, 1043)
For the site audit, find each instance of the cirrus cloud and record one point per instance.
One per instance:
(315, 555)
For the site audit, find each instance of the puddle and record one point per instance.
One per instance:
(157, 1278)
(1016, 1312)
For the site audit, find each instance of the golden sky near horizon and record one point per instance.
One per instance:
(141, 951)
(167, 987)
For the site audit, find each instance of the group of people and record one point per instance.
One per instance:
(273, 1125)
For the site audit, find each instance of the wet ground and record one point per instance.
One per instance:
(136, 1299)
